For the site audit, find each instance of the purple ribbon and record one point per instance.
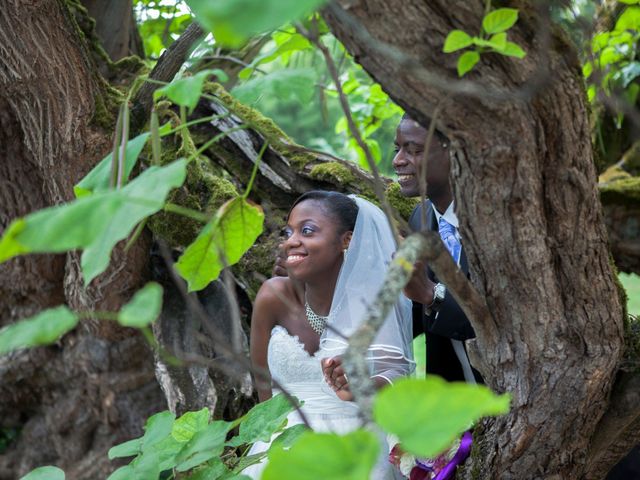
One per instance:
(449, 470)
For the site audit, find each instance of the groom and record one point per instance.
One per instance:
(436, 313)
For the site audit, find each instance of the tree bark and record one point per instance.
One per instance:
(116, 27)
(74, 400)
(530, 218)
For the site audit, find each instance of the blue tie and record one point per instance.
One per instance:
(448, 235)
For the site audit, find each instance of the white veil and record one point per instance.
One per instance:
(361, 277)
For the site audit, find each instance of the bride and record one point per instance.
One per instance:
(336, 252)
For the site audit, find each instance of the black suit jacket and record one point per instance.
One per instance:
(448, 323)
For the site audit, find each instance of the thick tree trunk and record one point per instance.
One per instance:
(70, 402)
(531, 220)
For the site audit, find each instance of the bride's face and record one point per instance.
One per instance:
(313, 247)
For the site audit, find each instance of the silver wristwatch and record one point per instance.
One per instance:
(439, 291)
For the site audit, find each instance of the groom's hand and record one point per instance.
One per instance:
(279, 269)
(420, 288)
(336, 377)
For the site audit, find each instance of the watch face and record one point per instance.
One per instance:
(439, 292)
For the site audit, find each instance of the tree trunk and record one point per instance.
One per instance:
(74, 400)
(116, 27)
(524, 164)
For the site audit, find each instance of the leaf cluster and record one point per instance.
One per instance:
(492, 38)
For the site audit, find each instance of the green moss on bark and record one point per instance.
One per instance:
(625, 191)
(404, 205)
(334, 172)
(204, 189)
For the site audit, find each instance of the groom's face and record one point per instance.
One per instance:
(409, 160)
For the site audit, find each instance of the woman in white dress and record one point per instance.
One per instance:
(336, 254)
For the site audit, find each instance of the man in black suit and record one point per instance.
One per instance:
(436, 313)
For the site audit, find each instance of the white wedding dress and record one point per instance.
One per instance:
(301, 375)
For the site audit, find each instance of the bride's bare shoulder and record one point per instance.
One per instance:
(276, 291)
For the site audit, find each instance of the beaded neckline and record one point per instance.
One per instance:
(318, 322)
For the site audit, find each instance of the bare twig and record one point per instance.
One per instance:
(378, 183)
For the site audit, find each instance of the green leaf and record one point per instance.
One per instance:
(467, 61)
(144, 308)
(499, 20)
(513, 50)
(95, 222)
(157, 428)
(248, 460)
(205, 445)
(262, 421)
(123, 473)
(232, 22)
(126, 449)
(189, 424)
(629, 20)
(215, 469)
(591, 93)
(44, 473)
(325, 455)
(42, 329)
(289, 436)
(221, 242)
(186, 91)
(498, 41)
(443, 411)
(99, 178)
(629, 2)
(587, 69)
(297, 83)
(456, 40)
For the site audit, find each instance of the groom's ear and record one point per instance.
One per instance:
(346, 239)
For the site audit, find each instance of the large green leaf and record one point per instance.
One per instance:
(42, 329)
(99, 179)
(629, 20)
(262, 421)
(157, 428)
(221, 242)
(499, 20)
(95, 222)
(282, 84)
(189, 424)
(126, 449)
(325, 455)
(186, 91)
(205, 444)
(232, 22)
(44, 473)
(428, 415)
(144, 308)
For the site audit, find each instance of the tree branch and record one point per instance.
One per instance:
(168, 65)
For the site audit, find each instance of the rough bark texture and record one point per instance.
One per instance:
(72, 401)
(530, 218)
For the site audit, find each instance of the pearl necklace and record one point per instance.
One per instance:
(317, 322)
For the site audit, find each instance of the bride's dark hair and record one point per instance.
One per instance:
(336, 204)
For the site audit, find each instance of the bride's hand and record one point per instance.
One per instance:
(336, 377)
